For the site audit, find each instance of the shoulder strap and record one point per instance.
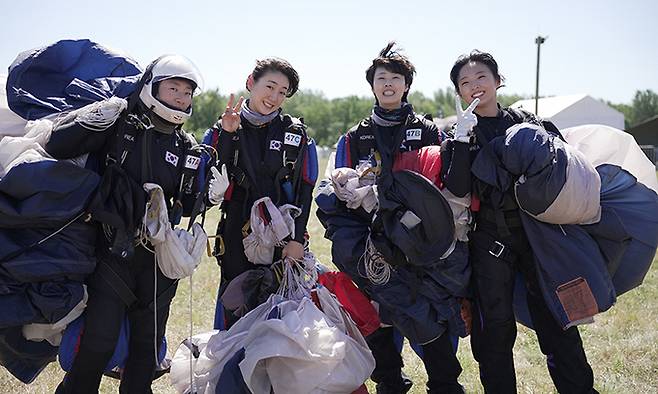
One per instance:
(362, 139)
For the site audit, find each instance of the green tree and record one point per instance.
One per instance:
(206, 110)
(625, 109)
(505, 100)
(645, 106)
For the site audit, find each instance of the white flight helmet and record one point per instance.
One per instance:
(166, 67)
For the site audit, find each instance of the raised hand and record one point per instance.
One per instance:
(218, 185)
(466, 120)
(230, 119)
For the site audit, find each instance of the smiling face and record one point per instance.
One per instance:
(389, 88)
(475, 80)
(175, 93)
(268, 93)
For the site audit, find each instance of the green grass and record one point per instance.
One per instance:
(622, 345)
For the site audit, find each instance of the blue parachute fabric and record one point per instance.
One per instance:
(636, 206)
(626, 236)
(533, 152)
(419, 302)
(43, 302)
(564, 253)
(231, 379)
(23, 358)
(30, 212)
(68, 75)
(56, 191)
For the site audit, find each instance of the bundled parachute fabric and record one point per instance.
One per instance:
(360, 309)
(631, 207)
(68, 75)
(414, 223)
(177, 251)
(607, 145)
(613, 254)
(250, 289)
(46, 253)
(53, 332)
(270, 227)
(28, 148)
(552, 181)
(307, 350)
(31, 213)
(420, 300)
(288, 344)
(427, 162)
(24, 359)
(571, 270)
(356, 187)
(628, 198)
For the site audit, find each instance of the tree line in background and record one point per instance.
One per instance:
(327, 118)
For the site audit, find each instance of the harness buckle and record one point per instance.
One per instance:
(497, 249)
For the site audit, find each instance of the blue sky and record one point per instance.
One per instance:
(603, 48)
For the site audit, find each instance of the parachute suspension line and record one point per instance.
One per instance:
(155, 310)
(16, 253)
(192, 387)
(378, 271)
(141, 238)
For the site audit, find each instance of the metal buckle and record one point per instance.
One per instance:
(497, 249)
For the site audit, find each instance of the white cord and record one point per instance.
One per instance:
(378, 271)
(192, 386)
(155, 309)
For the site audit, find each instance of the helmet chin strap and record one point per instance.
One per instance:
(159, 124)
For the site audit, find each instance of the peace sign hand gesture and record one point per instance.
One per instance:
(466, 120)
(230, 119)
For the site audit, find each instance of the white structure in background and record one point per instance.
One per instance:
(574, 110)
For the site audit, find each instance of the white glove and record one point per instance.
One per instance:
(218, 185)
(466, 120)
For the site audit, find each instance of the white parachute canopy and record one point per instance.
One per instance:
(10, 123)
(177, 251)
(607, 145)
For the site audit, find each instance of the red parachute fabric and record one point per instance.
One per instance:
(353, 300)
(426, 161)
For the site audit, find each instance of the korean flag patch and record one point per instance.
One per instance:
(275, 145)
(292, 139)
(171, 158)
(414, 134)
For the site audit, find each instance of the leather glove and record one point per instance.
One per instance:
(466, 120)
(218, 185)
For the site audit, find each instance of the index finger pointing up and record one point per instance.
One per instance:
(229, 105)
(458, 105)
(473, 105)
(238, 105)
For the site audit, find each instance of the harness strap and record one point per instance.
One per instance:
(118, 285)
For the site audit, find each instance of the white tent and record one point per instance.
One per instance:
(574, 110)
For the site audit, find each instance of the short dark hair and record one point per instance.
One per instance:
(276, 64)
(394, 62)
(477, 57)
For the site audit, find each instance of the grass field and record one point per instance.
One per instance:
(622, 345)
